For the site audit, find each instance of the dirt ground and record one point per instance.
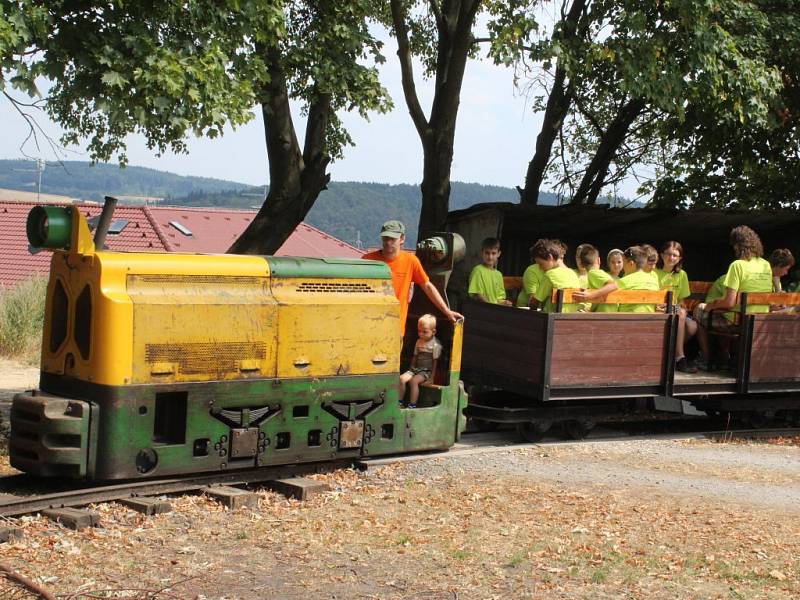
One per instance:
(16, 376)
(629, 519)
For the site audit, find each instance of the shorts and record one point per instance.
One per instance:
(720, 323)
(415, 371)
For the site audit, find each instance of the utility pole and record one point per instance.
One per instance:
(40, 165)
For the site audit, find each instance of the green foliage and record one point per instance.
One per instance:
(714, 162)
(174, 68)
(690, 71)
(22, 318)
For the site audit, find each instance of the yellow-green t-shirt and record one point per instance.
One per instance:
(557, 278)
(716, 291)
(531, 280)
(677, 283)
(638, 280)
(488, 283)
(584, 281)
(753, 275)
(597, 278)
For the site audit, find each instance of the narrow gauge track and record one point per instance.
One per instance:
(22, 494)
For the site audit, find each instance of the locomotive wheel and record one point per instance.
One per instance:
(483, 425)
(578, 429)
(533, 431)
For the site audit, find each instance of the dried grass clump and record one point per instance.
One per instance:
(22, 319)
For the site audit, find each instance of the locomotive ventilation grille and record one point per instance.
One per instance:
(335, 287)
(201, 357)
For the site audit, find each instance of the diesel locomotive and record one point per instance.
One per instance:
(163, 364)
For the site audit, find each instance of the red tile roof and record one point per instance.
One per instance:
(214, 230)
(149, 229)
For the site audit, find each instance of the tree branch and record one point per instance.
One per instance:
(406, 69)
(486, 40)
(29, 585)
(437, 13)
(33, 126)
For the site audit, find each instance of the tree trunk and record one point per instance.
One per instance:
(435, 187)
(454, 22)
(455, 40)
(295, 179)
(594, 177)
(557, 107)
(558, 103)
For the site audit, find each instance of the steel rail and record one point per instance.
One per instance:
(14, 505)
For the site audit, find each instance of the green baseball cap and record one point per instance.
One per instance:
(393, 229)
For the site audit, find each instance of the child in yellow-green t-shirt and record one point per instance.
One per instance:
(532, 278)
(549, 255)
(485, 281)
(672, 277)
(581, 270)
(596, 278)
(614, 263)
(636, 278)
(781, 260)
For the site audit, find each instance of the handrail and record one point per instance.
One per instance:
(620, 297)
(700, 287)
(771, 298)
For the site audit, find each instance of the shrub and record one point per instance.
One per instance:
(22, 319)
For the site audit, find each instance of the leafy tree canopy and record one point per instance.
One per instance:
(716, 162)
(172, 68)
(634, 73)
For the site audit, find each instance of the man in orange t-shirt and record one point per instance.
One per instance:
(406, 269)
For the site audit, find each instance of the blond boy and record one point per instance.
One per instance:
(427, 351)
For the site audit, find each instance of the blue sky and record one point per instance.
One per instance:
(495, 138)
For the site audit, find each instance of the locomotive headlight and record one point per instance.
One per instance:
(436, 249)
(440, 249)
(49, 226)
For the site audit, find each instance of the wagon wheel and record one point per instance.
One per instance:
(483, 425)
(533, 431)
(758, 419)
(577, 429)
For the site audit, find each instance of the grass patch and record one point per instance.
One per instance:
(22, 318)
(600, 576)
(516, 560)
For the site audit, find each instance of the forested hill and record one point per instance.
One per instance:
(91, 182)
(348, 210)
(354, 211)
